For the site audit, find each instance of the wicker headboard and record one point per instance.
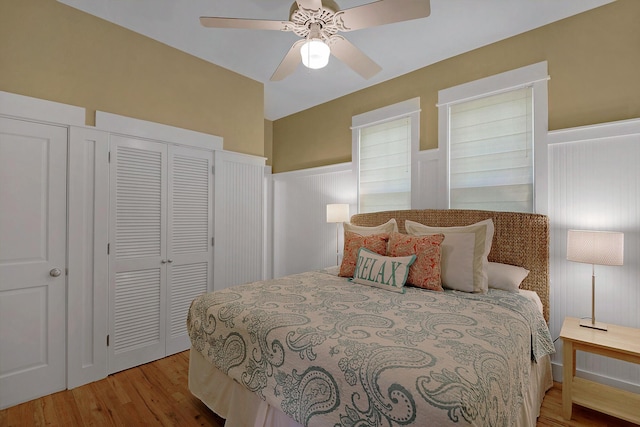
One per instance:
(520, 238)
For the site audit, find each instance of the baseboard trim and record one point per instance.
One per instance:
(557, 369)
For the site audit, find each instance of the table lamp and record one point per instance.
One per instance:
(595, 247)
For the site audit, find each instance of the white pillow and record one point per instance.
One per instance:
(388, 227)
(381, 271)
(505, 276)
(464, 253)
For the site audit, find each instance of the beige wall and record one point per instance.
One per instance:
(54, 52)
(594, 64)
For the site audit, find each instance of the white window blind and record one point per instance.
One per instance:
(491, 152)
(385, 166)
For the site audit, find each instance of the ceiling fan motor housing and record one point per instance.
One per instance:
(324, 20)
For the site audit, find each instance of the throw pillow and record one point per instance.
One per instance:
(353, 242)
(426, 270)
(381, 271)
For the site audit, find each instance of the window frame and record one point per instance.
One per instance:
(534, 75)
(409, 108)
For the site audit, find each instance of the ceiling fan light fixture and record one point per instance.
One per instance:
(315, 54)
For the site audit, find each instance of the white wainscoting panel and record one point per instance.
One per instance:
(267, 223)
(238, 251)
(594, 184)
(303, 240)
(428, 193)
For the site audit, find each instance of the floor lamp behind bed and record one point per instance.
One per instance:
(337, 212)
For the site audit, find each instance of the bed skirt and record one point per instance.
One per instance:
(241, 408)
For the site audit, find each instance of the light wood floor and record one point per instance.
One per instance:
(157, 394)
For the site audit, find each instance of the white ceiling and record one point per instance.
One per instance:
(454, 27)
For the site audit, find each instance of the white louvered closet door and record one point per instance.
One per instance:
(189, 248)
(137, 259)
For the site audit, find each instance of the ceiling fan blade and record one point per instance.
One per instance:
(289, 63)
(309, 4)
(346, 52)
(383, 12)
(251, 24)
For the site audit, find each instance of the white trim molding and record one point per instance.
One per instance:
(123, 125)
(557, 371)
(621, 128)
(497, 83)
(320, 170)
(25, 107)
(387, 113)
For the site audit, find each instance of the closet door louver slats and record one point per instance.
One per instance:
(138, 246)
(190, 230)
(138, 200)
(190, 195)
(137, 317)
(187, 282)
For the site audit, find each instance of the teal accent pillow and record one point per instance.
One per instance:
(381, 271)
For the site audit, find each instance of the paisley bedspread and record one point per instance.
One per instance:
(329, 352)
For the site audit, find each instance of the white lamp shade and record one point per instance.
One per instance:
(595, 247)
(315, 54)
(337, 212)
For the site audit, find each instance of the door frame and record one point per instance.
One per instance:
(27, 109)
(141, 130)
(88, 227)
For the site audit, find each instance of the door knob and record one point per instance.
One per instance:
(55, 272)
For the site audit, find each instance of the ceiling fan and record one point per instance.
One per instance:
(319, 21)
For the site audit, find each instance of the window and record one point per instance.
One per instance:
(495, 141)
(385, 166)
(384, 141)
(491, 153)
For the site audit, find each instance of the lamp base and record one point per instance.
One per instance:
(593, 325)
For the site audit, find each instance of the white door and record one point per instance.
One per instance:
(189, 250)
(137, 254)
(33, 168)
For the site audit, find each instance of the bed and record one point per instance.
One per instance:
(316, 349)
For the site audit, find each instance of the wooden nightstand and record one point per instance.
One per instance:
(618, 342)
